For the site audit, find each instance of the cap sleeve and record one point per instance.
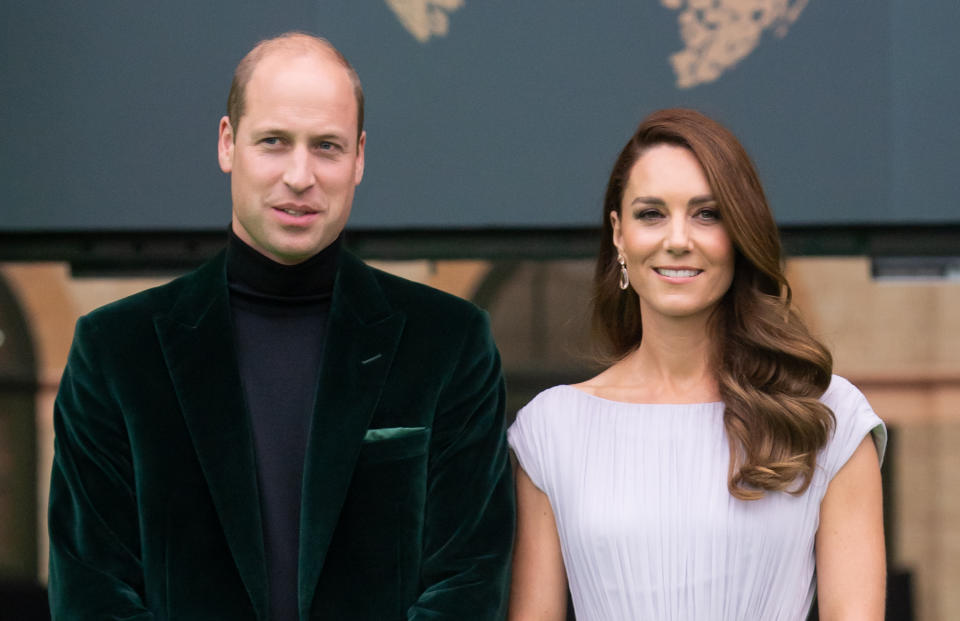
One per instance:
(526, 438)
(854, 420)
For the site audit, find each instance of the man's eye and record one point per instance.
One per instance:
(270, 140)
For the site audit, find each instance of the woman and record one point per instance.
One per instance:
(717, 462)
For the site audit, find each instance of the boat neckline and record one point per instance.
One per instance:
(647, 403)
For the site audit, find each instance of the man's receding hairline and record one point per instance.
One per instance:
(299, 44)
(293, 52)
(295, 44)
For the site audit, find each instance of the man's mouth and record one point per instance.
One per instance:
(676, 273)
(293, 211)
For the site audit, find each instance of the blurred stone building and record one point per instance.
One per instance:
(899, 341)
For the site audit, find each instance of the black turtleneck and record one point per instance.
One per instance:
(280, 324)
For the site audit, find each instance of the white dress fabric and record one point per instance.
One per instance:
(648, 528)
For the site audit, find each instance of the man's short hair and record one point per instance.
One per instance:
(289, 41)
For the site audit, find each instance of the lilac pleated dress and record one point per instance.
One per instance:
(648, 528)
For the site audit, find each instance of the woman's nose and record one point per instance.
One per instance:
(677, 240)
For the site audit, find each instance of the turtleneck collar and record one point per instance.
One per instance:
(253, 274)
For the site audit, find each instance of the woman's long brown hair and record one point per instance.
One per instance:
(769, 368)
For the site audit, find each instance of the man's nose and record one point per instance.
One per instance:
(298, 175)
(677, 240)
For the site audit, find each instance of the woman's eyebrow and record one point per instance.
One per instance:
(648, 200)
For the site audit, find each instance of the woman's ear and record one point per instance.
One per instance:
(617, 234)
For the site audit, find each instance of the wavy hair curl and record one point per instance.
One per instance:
(769, 368)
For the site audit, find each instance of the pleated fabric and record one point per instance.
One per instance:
(647, 526)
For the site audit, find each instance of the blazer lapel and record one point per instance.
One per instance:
(362, 337)
(197, 342)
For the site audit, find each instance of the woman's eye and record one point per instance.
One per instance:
(709, 215)
(647, 214)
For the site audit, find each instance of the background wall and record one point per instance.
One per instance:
(483, 113)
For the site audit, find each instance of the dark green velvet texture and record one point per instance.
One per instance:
(154, 512)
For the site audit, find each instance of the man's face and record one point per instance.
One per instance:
(294, 158)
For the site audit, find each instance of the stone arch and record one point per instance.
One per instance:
(18, 441)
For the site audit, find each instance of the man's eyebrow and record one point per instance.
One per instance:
(329, 136)
(267, 131)
(313, 139)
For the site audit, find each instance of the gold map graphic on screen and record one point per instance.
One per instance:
(717, 34)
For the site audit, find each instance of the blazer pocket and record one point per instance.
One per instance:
(393, 443)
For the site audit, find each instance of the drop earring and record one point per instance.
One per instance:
(624, 276)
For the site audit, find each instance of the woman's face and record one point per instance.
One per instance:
(678, 253)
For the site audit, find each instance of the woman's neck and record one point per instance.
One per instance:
(674, 363)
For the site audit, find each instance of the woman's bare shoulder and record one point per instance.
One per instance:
(602, 382)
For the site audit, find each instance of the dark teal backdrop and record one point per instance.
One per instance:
(509, 119)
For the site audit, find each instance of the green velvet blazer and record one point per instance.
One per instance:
(407, 508)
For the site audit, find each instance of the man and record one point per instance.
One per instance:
(284, 433)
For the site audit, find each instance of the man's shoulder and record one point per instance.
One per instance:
(414, 297)
(411, 297)
(148, 303)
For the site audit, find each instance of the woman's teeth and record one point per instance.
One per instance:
(677, 273)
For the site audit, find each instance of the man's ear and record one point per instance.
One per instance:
(358, 170)
(225, 145)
